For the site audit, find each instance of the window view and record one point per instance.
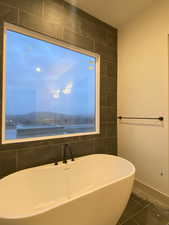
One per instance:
(50, 90)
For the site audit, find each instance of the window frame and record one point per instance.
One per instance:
(44, 37)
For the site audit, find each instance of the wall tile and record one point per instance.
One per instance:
(1, 70)
(112, 68)
(87, 27)
(103, 67)
(82, 148)
(111, 146)
(7, 162)
(107, 85)
(111, 38)
(105, 146)
(40, 25)
(103, 100)
(112, 99)
(62, 14)
(108, 114)
(109, 53)
(99, 146)
(103, 130)
(111, 130)
(109, 99)
(78, 40)
(8, 14)
(34, 7)
(54, 11)
(38, 155)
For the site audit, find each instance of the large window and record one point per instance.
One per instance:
(50, 89)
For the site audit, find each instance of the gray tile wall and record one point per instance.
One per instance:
(60, 20)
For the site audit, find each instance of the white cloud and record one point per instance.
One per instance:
(68, 89)
(55, 93)
(38, 69)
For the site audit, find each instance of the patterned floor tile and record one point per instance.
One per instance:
(150, 215)
(142, 212)
(134, 205)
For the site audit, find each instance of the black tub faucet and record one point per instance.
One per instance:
(67, 148)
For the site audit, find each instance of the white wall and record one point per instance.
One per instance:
(143, 91)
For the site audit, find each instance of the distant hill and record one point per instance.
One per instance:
(50, 118)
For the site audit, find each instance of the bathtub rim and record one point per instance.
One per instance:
(48, 208)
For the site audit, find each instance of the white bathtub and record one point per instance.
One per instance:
(92, 190)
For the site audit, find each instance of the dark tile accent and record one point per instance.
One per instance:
(112, 99)
(111, 37)
(78, 40)
(1, 70)
(103, 100)
(111, 68)
(103, 130)
(54, 11)
(103, 67)
(7, 162)
(95, 31)
(99, 146)
(108, 114)
(111, 145)
(40, 25)
(110, 130)
(34, 7)
(37, 156)
(84, 138)
(88, 27)
(106, 51)
(63, 14)
(105, 146)
(108, 85)
(82, 148)
(108, 100)
(8, 14)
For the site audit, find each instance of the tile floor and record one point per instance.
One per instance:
(141, 212)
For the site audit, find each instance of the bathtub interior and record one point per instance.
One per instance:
(37, 189)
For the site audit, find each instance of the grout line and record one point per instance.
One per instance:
(136, 222)
(18, 17)
(16, 163)
(135, 214)
(138, 202)
(8, 5)
(43, 8)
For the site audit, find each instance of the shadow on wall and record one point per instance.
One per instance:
(149, 124)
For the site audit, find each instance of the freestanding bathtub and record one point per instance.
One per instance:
(92, 190)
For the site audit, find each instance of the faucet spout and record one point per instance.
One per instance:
(64, 153)
(65, 149)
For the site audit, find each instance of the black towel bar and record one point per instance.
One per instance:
(141, 118)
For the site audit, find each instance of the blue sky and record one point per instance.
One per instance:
(43, 77)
